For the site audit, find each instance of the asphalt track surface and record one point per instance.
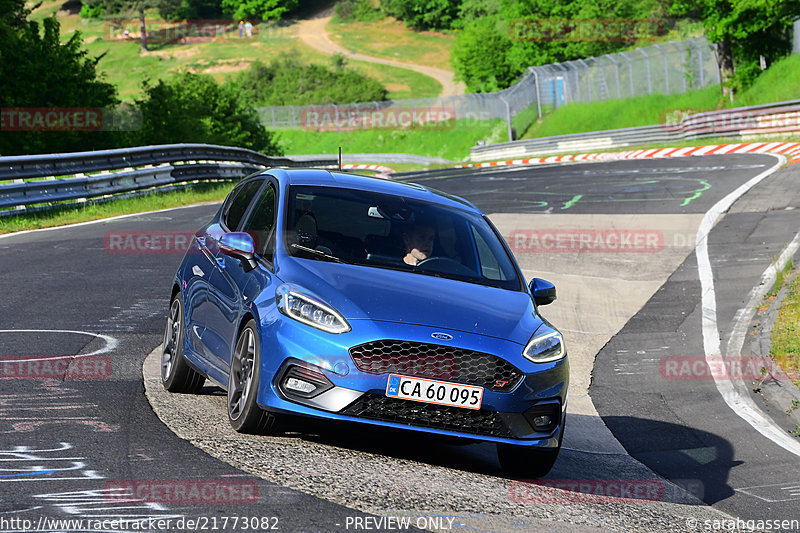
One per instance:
(69, 443)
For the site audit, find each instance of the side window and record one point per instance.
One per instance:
(238, 204)
(261, 223)
(489, 267)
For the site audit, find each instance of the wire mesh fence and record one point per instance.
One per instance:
(667, 68)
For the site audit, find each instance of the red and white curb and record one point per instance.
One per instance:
(789, 149)
(380, 169)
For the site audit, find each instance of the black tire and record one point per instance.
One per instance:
(176, 374)
(244, 413)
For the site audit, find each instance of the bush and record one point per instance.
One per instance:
(287, 82)
(193, 108)
(92, 11)
(356, 10)
(258, 9)
(423, 14)
(101, 8)
(472, 10)
(189, 9)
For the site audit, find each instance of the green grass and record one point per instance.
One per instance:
(786, 333)
(400, 82)
(452, 144)
(779, 279)
(391, 39)
(776, 84)
(613, 114)
(214, 192)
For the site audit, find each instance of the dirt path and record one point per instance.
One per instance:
(313, 33)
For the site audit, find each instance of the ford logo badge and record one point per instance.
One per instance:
(442, 336)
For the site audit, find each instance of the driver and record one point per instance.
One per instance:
(418, 242)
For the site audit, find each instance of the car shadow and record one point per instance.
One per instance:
(694, 460)
(679, 453)
(702, 472)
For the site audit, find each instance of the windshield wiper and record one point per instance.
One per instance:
(318, 253)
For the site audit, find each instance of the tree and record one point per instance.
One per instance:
(258, 9)
(37, 70)
(493, 50)
(189, 9)
(194, 108)
(423, 14)
(479, 56)
(95, 8)
(743, 30)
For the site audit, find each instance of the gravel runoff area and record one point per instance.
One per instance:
(379, 475)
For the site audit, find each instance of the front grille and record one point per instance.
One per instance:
(475, 422)
(436, 362)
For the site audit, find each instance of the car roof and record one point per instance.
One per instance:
(325, 178)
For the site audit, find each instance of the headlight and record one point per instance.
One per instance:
(309, 310)
(545, 347)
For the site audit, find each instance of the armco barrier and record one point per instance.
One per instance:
(164, 166)
(780, 118)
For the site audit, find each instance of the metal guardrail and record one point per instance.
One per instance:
(746, 122)
(382, 157)
(164, 166)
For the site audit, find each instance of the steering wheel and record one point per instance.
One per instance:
(441, 263)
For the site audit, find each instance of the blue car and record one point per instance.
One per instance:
(359, 299)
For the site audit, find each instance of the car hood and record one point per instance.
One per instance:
(369, 293)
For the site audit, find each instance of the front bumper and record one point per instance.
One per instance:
(356, 396)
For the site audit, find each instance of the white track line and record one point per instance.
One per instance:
(110, 346)
(99, 220)
(740, 403)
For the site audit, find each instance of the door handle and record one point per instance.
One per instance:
(221, 262)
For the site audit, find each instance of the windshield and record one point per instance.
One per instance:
(383, 231)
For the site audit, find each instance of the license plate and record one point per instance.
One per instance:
(432, 391)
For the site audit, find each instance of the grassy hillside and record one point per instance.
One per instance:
(126, 67)
(777, 84)
(391, 39)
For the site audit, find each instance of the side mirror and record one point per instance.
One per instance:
(543, 291)
(241, 246)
